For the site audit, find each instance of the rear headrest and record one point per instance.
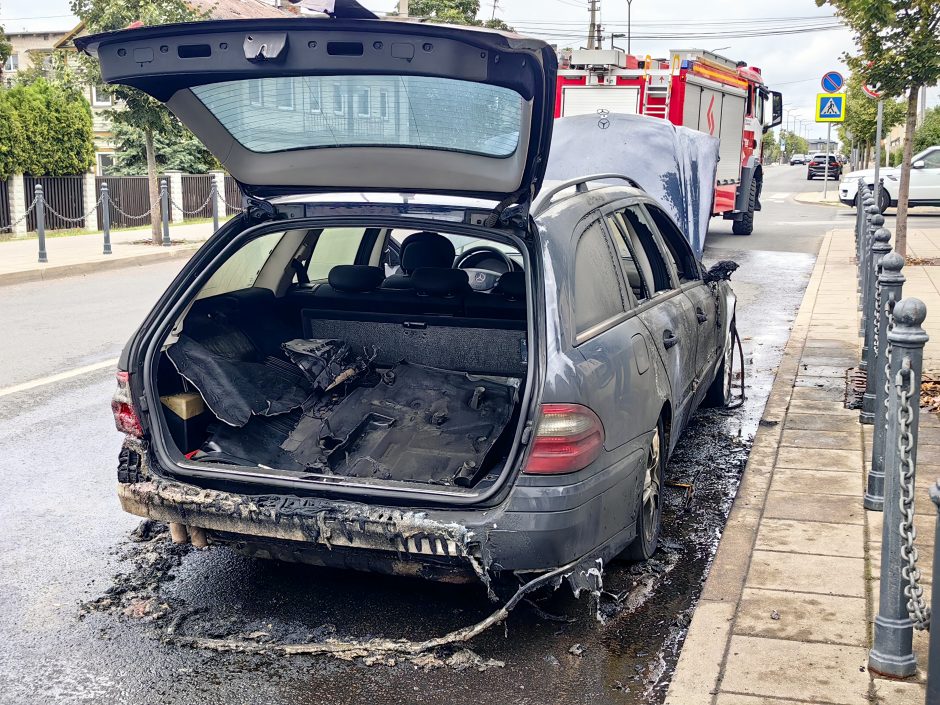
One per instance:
(511, 285)
(426, 249)
(356, 277)
(438, 281)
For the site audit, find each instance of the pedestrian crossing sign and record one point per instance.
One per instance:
(830, 107)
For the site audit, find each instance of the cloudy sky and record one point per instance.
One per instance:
(791, 57)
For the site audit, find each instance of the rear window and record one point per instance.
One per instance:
(305, 112)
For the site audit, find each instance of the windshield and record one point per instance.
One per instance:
(301, 112)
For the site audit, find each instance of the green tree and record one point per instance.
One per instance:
(135, 109)
(176, 148)
(861, 113)
(793, 143)
(53, 133)
(11, 137)
(5, 50)
(928, 134)
(771, 148)
(899, 51)
(454, 12)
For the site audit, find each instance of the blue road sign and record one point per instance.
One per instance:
(832, 81)
(830, 107)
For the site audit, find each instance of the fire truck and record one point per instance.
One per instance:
(693, 88)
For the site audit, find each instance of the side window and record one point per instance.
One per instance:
(635, 266)
(597, 294)
(932, 160)
(241, 269)
(334, 246)
(677, 247)
(636, 222)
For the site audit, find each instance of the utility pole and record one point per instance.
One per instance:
(592, 31)
(495, 6)
(629, 6)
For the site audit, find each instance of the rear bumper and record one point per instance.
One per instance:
(535, 529)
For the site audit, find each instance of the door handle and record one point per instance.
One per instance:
(701, 316)
(669, 339)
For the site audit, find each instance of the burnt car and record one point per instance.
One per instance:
(395, 358)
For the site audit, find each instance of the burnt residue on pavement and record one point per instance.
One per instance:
(75, 632)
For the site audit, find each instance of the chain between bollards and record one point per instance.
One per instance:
(892, 652)
(890, 284)
(165, 210)
(865, 269)
(880, 246)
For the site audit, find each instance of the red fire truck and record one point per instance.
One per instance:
(693, 88)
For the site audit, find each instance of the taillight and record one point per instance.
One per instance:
(125, 416)
(812, 163)
(569, 437)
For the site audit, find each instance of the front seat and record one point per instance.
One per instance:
(423, 249)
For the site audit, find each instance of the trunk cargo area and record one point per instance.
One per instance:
(286, 387)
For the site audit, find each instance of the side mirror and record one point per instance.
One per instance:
(919, 164)
(776, 112)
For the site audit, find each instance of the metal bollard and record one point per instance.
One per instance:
(165, 209)
(892, 652)
(933, 653)
(890, 281)
(862, 217)
(879, 248)
(875, 221)
(106, 217)
(41, 223)
(214, 195)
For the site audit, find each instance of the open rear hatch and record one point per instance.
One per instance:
(325, 105)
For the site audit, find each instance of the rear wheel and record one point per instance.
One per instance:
(745, 226)
(884, 202)
(650, 516)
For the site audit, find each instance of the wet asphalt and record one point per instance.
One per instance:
(65, 537)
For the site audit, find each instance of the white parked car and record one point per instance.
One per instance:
(925, 181)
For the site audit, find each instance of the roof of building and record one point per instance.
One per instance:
(239, 9)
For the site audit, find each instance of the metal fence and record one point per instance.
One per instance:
(233, 196)
(5, 218)
(197, 191)
(65, 201)
(892, 359)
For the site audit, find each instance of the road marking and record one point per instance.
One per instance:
(778, 196)
(811, 222)
(61, 376)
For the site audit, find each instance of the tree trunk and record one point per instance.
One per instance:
(900, 232)
(155, 213)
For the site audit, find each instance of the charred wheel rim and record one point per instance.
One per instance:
(652, 491)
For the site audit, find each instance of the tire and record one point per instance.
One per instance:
(745, 226)
(809, 177)
(650, 515)
(719, 391)
(884, 199)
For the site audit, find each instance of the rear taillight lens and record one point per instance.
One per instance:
(812, 163)
(569, 437)
(125, 415)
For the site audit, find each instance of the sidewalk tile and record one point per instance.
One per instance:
(820, 458)
(897, 693)
(818, 394)
(835, 440)
(830, 408)
(802, 616)
(815, 538)
(824, 575)
(821, 673)
(817, 482)
(737, 699)
(821, 422)
(835, 509)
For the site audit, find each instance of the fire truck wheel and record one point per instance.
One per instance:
(745, 226)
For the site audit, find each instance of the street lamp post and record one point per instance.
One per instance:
(629, 5)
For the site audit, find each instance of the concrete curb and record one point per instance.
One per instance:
(809, 201)
(698, 673)
(44, 273)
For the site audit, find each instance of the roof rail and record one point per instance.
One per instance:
(543, 200)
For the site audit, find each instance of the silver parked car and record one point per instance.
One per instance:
(395, 359)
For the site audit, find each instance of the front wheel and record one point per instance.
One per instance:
(719, 392)
(650, 516)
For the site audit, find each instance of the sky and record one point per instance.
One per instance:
(791, 63)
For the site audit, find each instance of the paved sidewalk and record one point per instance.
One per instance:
(82, 254)
(786, 612)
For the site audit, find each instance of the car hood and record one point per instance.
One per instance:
(328, 104)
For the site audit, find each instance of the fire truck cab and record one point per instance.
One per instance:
(692, 88)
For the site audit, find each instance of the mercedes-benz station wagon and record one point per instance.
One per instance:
(407, 353)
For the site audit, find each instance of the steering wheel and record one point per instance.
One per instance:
(484, 266)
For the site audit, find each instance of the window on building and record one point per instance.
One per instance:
(363, 102)
(100, 98)
(284, 93)
(105, 163)
(12, 63)
(383, 105)
(256, 92)
(339, 99)
(314, 95)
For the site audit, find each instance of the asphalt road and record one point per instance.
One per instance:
(66, 538)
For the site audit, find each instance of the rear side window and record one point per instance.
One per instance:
(635, 266)
(241, 269)
(636, 221)
(334, 246)
(677, 248)
(597, 293)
